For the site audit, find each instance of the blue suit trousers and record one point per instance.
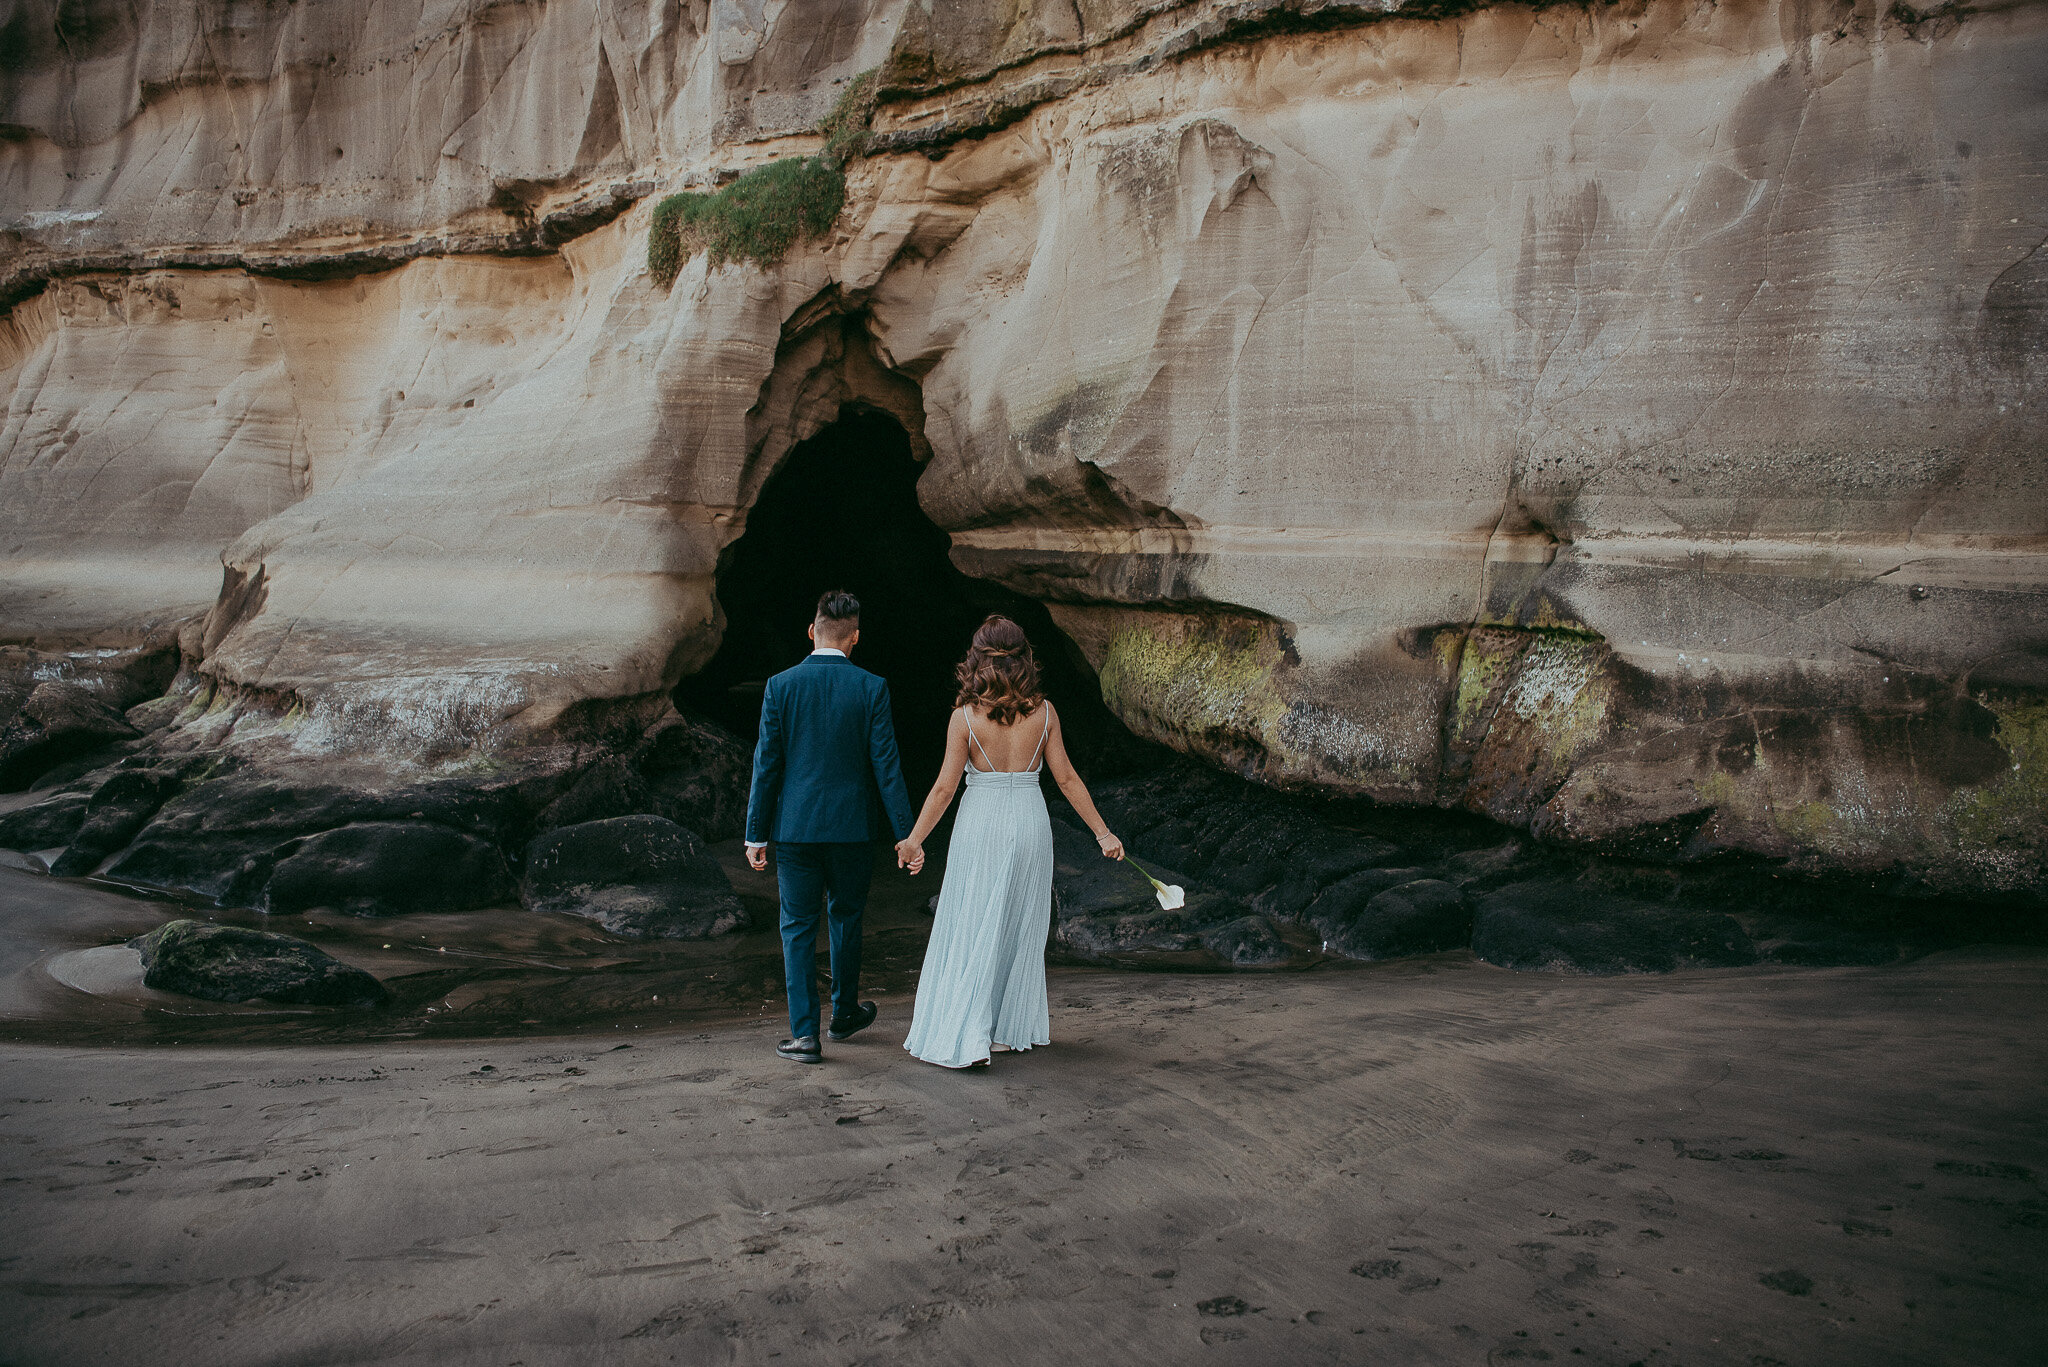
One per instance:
(833, 877)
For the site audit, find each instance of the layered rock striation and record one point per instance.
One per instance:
(1621, 422)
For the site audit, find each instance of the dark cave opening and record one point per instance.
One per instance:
(842, 512)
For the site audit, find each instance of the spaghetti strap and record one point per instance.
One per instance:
(1033, 767)
(969, 718)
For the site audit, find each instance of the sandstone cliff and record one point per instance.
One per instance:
(1620, 421)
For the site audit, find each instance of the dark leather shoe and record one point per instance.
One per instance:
(803, 1050)
(849, 1026)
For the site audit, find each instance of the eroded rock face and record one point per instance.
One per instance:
(1619, 423)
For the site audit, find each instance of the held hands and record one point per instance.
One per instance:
(910, 855)
(1112, 848)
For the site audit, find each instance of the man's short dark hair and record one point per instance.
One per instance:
(839, 611)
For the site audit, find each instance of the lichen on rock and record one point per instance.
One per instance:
(1197, 679)
(2001, 827)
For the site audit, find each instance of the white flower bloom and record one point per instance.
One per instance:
(1171, 897)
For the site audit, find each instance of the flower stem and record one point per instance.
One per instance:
(1156, 884)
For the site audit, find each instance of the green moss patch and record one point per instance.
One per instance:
(2012, 810)
(1559, 689)
(1193, 676)
(1484, 665)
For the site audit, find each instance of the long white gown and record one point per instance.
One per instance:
(984, 968)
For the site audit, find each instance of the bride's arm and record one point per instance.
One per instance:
(1075, 790)
(910, 850)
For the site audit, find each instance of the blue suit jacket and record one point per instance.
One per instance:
(826, 767)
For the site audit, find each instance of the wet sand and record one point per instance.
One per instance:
(1425, 1162)
(66, 977)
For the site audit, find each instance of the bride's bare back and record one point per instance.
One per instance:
(1011, 748)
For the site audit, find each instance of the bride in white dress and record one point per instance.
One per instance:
(983, 984)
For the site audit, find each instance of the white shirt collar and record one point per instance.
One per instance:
(829, 650)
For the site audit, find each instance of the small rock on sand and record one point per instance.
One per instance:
(231, 964)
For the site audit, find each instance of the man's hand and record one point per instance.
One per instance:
(757, 858)
(909, 855)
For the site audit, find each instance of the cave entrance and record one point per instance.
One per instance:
(842, 512)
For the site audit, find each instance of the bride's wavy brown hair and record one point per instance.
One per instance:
(1000, 673)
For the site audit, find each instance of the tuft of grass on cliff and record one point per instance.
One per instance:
(846, 127)
(764, 213)
(758, 217)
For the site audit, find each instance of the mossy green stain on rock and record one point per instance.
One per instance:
(1810, 825)
(1483, 665)
(1550, 676)
(1523, 708)
(2013, 810)
(1203, 677)
(1559, 689)
(1718, 789)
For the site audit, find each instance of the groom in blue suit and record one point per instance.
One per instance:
(827, 785)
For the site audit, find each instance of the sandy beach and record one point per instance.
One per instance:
(1430, 1162)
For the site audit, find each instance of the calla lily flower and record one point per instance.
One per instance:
(1172, 896)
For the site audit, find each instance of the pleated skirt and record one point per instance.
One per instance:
(984, 969)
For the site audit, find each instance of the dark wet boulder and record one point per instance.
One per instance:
(1574, 926)
(1247, 942)
(46, 825)
(58, 721)
(1256, 855)
(221, 837)
(1342, 901)
(1085, 884)
(77, 775)
(1423, 916)
(611, 787)
(692, 772)
(644, 877)
(231, 964)
(1104, 909)
(697, 773)
(117, 809)
(1321, 862)
(1816, 942)
(1268, 848)
(1482, 870)
(1107, 936)
(1192, 818)
(388, 868)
